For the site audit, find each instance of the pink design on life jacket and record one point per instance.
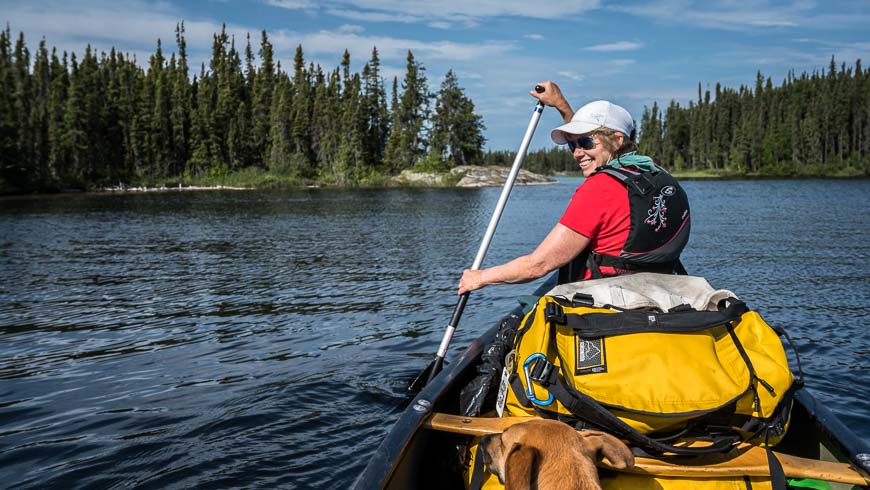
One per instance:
(656, 215)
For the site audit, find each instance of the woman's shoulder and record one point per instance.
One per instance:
(602, 179)
(600, 183)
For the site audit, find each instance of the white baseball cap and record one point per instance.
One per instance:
(592, 116)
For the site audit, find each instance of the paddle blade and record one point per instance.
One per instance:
(422, 378)
(427, 374)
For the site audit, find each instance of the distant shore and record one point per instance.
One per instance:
(179, 187)
(469, 176)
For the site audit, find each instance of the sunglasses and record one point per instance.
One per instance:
(585, 143)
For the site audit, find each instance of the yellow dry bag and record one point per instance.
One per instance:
(652, 377)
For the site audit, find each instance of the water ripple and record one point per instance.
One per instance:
(265, 339)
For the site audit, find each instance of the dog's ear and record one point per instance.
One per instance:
(603, 444)
(520, 467)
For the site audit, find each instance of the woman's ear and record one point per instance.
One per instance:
(520, 467)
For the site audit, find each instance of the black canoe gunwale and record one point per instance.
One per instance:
(402, 439)
(384, 461)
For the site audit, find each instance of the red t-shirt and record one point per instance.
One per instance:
(599, 210)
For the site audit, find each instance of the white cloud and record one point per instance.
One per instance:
(534, 37)
(128, 25)
(351, 29)
(292, 4)
(467, 75)
(444, 14)
(133, 26)
(373, 16)
(618, 46)
(543, 9)
(572, 76)
(330, 42)
(724, 14)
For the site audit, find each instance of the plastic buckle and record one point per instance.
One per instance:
(554, 313)
(540, 370)
(583, 299)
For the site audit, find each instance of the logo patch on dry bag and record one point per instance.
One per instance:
(589, 356)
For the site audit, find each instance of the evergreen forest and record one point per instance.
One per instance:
(812, 125)
(103, 120)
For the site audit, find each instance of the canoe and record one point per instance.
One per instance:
(419, 452)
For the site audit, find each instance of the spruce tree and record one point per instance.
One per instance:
(38, 120)
(161, 124)
(375, 110)
(326, 124)
(351, 158)
(280, 129)
(23, 99)
(9, 156)
(181, 105)
(202, 97)
(457, 132)
(301, 105)
(409, 118)
(391, 151)
(57, 159)
(264, 86)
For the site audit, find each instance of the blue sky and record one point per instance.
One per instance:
(632, 53)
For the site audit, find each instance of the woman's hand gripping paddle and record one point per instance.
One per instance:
(435, 366)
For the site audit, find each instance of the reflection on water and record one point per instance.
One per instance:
(266, 338)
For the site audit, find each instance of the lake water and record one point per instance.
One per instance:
(266, 339)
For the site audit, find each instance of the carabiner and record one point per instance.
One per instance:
(529, 391)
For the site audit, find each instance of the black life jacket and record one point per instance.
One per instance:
(659, 229)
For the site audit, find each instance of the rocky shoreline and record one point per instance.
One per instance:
(133, 188)
(470, 176)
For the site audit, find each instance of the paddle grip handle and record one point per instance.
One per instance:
(460, 307)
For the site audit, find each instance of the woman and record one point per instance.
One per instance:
(628, 215)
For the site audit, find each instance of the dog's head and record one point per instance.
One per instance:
(551, 454)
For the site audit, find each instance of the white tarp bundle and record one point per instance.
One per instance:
(647, 291)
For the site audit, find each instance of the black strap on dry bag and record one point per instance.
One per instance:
(580, 405)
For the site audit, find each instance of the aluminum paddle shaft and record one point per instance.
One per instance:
(437, 364)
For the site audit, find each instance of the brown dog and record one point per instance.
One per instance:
(549, 455)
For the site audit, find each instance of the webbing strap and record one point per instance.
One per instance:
(519, 390)
(637, 182)
(777, 474)
(595, 325)
(586, 408)
(601, 417)
(623, 264)
(477, 471)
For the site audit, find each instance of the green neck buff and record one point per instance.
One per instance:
(632, 159)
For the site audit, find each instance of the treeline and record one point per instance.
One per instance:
(812, 124)
(547, 161)
(105, 120)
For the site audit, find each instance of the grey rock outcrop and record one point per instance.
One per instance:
(471, 176)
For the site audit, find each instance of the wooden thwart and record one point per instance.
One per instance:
(746, 460)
